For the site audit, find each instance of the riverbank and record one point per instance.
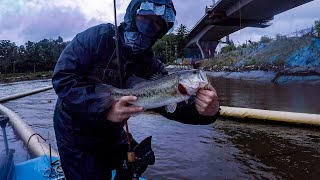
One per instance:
(280, 60)
(272, 74)
(7, 78)
(278, 75)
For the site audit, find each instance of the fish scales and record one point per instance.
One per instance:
(156, 92)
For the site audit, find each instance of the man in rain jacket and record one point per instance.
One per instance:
(91, 141)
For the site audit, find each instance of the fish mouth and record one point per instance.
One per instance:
(182, 90)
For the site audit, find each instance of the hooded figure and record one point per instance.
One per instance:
(89, 143)
(147, 21)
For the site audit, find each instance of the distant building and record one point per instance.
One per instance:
(179, 61)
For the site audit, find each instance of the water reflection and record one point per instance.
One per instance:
(23, 86)
(287, 153)
(280, 97)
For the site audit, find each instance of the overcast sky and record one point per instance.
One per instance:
(23, 20)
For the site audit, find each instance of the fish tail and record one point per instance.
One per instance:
(104, 95)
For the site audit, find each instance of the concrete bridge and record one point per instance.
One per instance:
(228, 16)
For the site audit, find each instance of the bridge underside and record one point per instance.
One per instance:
(229, 16)
(207, 43)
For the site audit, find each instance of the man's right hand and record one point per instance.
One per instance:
(121, 110)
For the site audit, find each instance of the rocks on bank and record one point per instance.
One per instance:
(280, 75)
(284, 60)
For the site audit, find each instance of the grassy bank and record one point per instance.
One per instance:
(270, 55)
(14, 77)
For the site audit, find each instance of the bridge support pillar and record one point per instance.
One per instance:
(207, 48)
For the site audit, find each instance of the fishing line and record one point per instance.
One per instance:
(117, 41)
(119, 65)
(34, 134)
(128, 136)
(240, 19)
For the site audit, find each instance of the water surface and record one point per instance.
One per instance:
(224, 150)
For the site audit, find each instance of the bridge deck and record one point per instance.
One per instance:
(228, 16)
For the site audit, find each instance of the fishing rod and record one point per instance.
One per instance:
(140, 156)
(130, 165)
(117, 41)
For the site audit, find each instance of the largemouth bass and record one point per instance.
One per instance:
(166, 91)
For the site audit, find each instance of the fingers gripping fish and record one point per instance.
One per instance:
(166, 91)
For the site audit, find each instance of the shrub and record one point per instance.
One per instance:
(279, 36)
(265, 39)
(228, 48)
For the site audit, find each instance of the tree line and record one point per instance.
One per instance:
(42, 55)
(30, 57)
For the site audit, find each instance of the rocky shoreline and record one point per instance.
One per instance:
(275, 74)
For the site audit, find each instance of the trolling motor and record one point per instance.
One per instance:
(6, 162)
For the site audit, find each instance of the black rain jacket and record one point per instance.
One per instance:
(88, 60)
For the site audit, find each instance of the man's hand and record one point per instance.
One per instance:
(207, 102)
(122, 110)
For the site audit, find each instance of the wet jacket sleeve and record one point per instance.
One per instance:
(71, 83)
(187, 113)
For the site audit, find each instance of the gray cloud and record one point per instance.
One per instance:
(47, 23)
(190, 12)
(287, 22)
(66, 22)
(55, 22)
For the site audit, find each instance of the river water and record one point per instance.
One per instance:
(224, 150)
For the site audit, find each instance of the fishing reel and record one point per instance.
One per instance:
(137, 162)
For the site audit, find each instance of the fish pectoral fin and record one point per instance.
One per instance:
(171, 108)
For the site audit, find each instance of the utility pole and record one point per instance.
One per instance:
(167, 52)
(170, 50)
(175, 50)
(14, 66)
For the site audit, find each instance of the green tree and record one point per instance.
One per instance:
(164, 48)
(181, 35)
(32, 55)
(46, 53)
(8, 55)
(171, 46)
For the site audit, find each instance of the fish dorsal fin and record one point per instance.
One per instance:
(157, 76)
(171, 107)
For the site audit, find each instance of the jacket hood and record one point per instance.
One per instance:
(129, 18)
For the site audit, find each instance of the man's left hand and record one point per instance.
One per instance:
(207, 102)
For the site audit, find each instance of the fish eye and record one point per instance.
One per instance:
(194, 72)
